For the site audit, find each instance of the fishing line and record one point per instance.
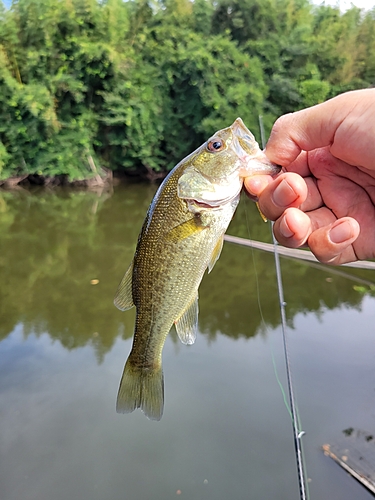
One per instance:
(263, 321)
(297, 434)
(294, 416)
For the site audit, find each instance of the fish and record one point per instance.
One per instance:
(182, 236)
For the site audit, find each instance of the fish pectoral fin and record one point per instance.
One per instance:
(186, 229)
(187, 324)
(216, 253)
(124, 295)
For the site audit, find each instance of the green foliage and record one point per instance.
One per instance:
(4, 160)
(140, 84)
(132, 113)
(313, 91)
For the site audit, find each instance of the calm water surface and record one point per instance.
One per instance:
(226, 432)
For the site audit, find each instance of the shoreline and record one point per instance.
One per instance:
(104, 178)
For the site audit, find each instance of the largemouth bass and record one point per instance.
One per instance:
(181, 237)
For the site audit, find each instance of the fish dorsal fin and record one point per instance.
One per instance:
(187, 324)
(216, 253)
(124, 296)
(186, 229)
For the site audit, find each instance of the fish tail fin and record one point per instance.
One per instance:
(141, 388)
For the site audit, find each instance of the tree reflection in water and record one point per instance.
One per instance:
(54, 243)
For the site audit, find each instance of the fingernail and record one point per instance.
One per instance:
(285, 229)
(284, 194)
(341, 232)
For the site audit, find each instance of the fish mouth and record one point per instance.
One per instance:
(210, 204)
(253, 159)
(206, 203)
(199, 192)
(244, 139)
(202, 204)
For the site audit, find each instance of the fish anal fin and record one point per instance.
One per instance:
(187, 324)
(141, 388)
(124, 296)
(216, 253)
(186, 229)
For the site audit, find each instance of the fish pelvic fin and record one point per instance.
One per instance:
(187, 324)
(216, 253)
(124, 295)
(141, 388)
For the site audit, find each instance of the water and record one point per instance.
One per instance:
(226, 432)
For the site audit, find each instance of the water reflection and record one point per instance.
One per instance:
(53, 244)
(64, 345)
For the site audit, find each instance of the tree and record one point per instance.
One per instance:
(140, 84)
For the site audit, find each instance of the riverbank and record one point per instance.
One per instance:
(102, 178)
(99, 178)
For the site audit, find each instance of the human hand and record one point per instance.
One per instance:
(325, 197)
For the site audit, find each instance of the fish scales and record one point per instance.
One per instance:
(181, 237)
(161, 274)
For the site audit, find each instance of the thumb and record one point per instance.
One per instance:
(315, 127)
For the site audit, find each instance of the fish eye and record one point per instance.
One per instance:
(215, 145)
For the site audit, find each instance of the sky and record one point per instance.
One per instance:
(346, 4)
